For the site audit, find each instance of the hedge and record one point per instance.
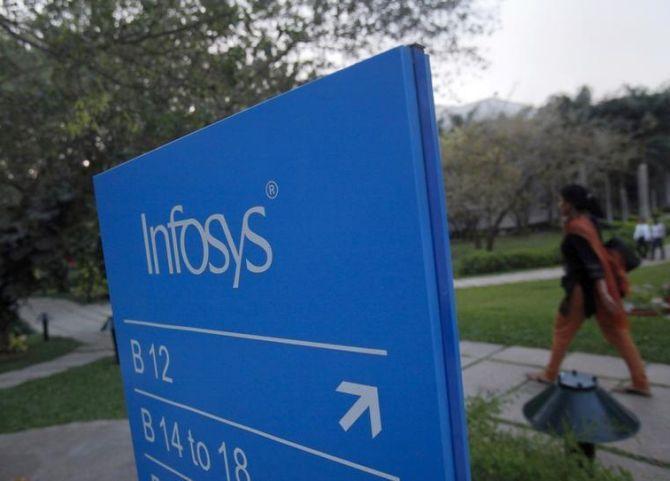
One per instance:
(491, 262)
(483, 262)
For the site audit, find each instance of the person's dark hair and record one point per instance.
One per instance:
(582, 200)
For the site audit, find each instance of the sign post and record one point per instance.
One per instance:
(282, 289)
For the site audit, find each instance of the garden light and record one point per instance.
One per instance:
(575, 406)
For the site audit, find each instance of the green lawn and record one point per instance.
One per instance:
(80, 394)
(38, 351)
(535, 242)
(523, 313)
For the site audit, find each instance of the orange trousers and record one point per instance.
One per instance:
(615, 329)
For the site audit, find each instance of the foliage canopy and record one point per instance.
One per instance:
(87, 84)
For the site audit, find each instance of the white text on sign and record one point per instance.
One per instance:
(173, 237)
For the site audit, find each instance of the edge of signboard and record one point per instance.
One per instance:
(442, 254)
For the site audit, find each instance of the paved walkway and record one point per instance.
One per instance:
(93, 451)
(509, 278)
(58, 453)
(495, 370)
(81, 322)
(82, 355)
(67, 318)
(530, 275)
(104, 448)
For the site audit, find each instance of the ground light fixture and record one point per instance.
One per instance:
(575, 407)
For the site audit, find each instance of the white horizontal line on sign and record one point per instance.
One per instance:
(166, 467)
(255, 337)
(269, 436)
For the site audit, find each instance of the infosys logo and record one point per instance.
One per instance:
(166, 245)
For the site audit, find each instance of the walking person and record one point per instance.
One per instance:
(642, 237)
(657, 238)
(593, 284)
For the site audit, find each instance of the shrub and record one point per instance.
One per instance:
(490, 262)
(625, 230)
(87, 281)
(17, 342)
(622, 230)
(500, 454)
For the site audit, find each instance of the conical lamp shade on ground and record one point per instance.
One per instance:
(577, 407)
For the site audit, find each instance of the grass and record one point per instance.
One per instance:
(38, 351)
(85, 393)
(502, 453)
(522, 314)
(533, 242)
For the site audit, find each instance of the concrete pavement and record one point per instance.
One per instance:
(93, 451)
(69, 319)
(500, 371)
(82, 355)
(509, 277)
(102, 450)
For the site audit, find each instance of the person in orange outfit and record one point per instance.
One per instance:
(594, 283)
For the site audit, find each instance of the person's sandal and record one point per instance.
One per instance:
(539, 377)
(630, 389)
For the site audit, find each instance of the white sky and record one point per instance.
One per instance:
(544, 47)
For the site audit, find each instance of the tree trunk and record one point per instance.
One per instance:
(623, 198)
(654, 200)
(643, 191)
(491, 239)
(4, 340)
(477, 239)
(522, 219)
(553, 205)
(550, 209)
(494, 229)
(609, 210)
(582, 176)
(5, 323)
(667, 187)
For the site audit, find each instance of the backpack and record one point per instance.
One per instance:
(627, 256)
(622, 260)
(616, 257)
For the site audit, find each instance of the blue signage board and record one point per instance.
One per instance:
(282, 289)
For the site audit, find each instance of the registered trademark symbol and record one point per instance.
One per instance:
(271, 189)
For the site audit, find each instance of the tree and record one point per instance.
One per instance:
(644, 118)
(488, 166)
(579, 146)
(87, 84)
(506, 166)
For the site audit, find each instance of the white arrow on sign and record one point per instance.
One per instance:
(368, 399)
